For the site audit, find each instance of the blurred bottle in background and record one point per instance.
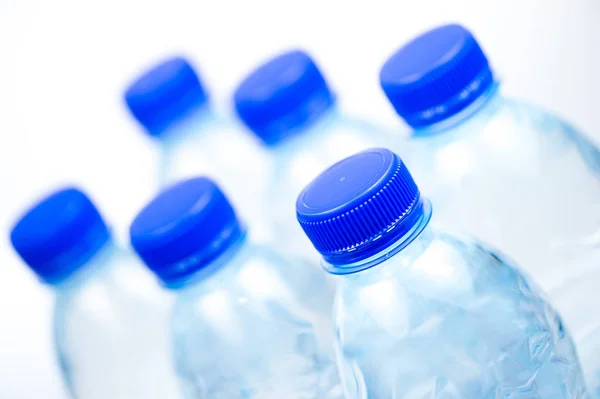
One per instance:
(110, 317)
(287, 103)
(246, 323)
(500, 169)
(172, 105)
(423, 313)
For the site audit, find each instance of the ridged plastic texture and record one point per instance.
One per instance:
(184, 228)
(59, 234)
(282, 96)
(436, 75)
(359, 205)
(446, 319)
(165, 94)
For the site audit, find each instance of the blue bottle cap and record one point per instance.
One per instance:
(59, 234)
(282, 96)
(436, 75)
(165, 94)
(184, 228)
(360, 206)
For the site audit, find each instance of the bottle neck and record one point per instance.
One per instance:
(402, 245)
(98, 263)
(196, 122)
(235, 250)
(190, 143)
(484, 101)
(308, 133)
(387, 263)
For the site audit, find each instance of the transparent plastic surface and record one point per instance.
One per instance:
(206, 144)
(518, 177)
(578, 303)
(447, 318)
(111, 331)
(301, 158)
(255, 327)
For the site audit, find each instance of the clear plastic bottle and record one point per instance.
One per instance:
(110, 316)
(421, 312)
(172, 105)
(498, 168)
(246, 324)
(287, 103)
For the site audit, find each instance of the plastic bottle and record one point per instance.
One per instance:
(110, 318)
(172, 105)
(287, 103)
(421, 312)
(246, 324)
(503, 170)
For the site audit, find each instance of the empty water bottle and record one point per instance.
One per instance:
(246, 323)
(172, 105)
(110, 316)
(503, 170)
(287, 103)
(421, 312)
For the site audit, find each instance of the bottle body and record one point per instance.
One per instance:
(518, 177)
(111, 331)
(255, 327)
(206, 144)
(301, 158)
(447, 318)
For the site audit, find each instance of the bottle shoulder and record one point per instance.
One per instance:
(451, 273)
(511, 121)
(510, 140)
(258, 290)
(115, 286)
(254, 275)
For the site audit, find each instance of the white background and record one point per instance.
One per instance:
(63, 67)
